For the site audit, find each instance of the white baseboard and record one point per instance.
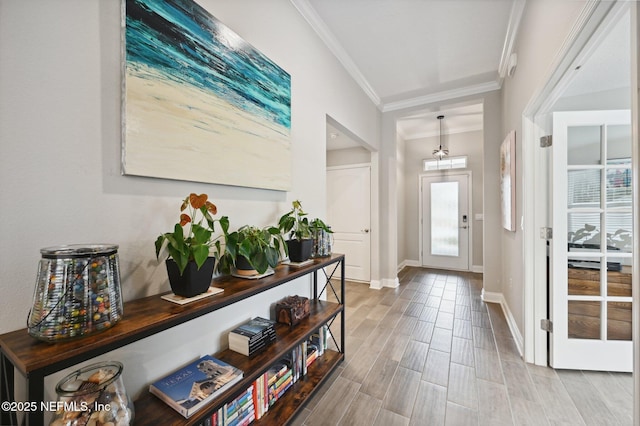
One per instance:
(478, 269)
(391, 282)
(408, 262)
(493, 297)
(375, 285)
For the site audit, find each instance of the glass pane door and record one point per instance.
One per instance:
(591, 255)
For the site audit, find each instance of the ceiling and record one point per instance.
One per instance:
(406, 53)
(413, 53)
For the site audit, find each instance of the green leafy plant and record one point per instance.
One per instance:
(192, 236)
(259, 246)
(317, 224)
(295, 223)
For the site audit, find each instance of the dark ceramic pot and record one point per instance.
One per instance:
(300, 250)
(193, 281)
(243, 267)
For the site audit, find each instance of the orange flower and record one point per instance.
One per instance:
(197, 201)
(184, 219)
(185, 204)
(211, 207)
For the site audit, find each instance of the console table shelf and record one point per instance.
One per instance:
(142, 318)
(152, 411)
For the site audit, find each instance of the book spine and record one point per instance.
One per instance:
(255, 397)
(251, 348)
(303, 357)
(283, 388)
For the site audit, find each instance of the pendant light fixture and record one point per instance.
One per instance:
(441, 152)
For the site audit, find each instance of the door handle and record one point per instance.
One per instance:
(463, 227)
(366, 231)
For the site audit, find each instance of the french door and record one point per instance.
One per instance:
(591, 253)
(445, 221)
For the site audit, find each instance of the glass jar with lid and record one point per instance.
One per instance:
(93, 395)
(77, 292)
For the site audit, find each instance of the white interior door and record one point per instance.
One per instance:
(349, 214)
(591, 252)
(446, 222)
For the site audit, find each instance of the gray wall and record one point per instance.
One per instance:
(543, 30)
(60, 180)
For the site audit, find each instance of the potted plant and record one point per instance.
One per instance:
(296, 225)
(321, 238)
(249, 250)
(189, 265)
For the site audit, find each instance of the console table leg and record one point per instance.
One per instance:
(315, 285)
(344, 303)
(35, 392)
(7, 390)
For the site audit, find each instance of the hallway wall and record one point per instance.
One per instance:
(545, 26)
(60, 179)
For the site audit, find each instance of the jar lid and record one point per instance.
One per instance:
(78, 250)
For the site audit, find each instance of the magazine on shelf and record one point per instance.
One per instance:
(191, 387)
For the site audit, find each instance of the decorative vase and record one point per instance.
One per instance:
(193, 281)
(244, 268)
(322, 241)
(300, 250)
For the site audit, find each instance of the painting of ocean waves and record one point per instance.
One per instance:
(200, 103)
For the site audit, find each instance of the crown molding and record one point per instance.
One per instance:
(310, 15)
(442, 96)
(517, 10)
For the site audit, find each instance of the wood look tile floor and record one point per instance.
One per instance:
(431, 352)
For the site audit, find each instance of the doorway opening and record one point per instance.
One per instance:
(351, 182)
(600, 52)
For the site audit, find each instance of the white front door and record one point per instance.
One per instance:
(349, 213)
(591, 251)
(445, 221)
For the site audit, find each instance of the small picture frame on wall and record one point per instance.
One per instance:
(508, 181)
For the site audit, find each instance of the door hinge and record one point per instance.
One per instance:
(546, 141)
(546, 233)
(546, 325)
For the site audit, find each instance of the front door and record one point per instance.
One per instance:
(445, 221)
(349, 213)
(591, 251)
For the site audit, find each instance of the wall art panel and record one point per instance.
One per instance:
(199, 103)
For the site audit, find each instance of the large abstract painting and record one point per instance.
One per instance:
(508, 181)
(200, 103)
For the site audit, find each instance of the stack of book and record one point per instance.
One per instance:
(279, 380)
(252, 336)
(239, 412)
(312, 353)
(190, 388)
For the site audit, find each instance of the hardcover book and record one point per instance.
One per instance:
(254, 329)
(252, 336)
(191, 387)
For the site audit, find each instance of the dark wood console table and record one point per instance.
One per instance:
(150, 315)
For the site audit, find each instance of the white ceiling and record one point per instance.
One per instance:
(412, 52)
(408, 53)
